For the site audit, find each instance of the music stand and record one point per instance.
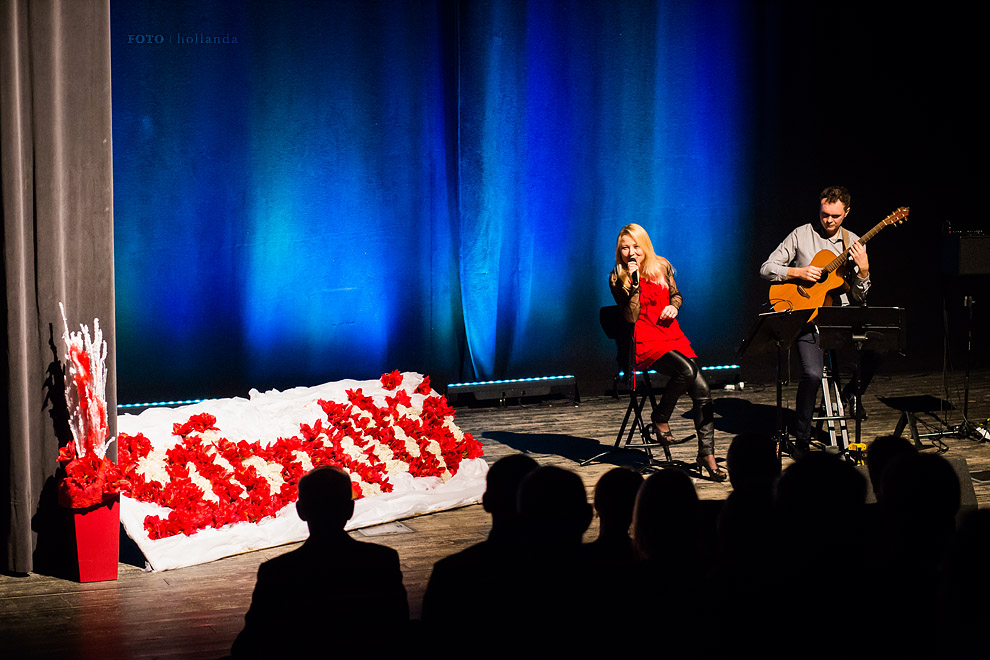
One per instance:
(877, 329)
(777, 330)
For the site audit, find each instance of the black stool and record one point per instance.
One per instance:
(640, 390)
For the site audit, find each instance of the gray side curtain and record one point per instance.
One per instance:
(57, 190)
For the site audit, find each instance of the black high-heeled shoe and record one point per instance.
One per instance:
(665, 437)
(718, 475)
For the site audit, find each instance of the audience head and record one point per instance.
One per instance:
(666, 514)
(553, 506)
(615, 496)
(819, 482)
(753, 463)
(325, 498)
(502, 484)
(921, 491)
(820, 500)
(880, 453)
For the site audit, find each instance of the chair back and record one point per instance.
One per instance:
(619, 330)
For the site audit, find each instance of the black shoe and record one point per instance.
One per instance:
(665, 438)
(854, 411)
(718, 475)
(799, 449)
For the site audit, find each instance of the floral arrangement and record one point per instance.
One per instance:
(89, 474)
(207, 480)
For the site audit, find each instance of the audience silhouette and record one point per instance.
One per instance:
(880, 453)
(746, 524)
(333, 589)
(748, 546)
(478, 579)
(553, 591)
(820, 504)
(665, 518)
(614, 499)
(675, 576)
(918, 501)
(555, 513)
(796, 553)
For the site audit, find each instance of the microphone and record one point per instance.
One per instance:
(635, 273)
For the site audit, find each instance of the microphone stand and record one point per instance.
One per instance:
(967, 429)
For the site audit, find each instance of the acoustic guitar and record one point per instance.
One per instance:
(801, 294)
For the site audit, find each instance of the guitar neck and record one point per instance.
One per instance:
(844, 255)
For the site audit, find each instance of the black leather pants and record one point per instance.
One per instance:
(686, 376)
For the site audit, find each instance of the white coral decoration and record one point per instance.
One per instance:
(85, 396)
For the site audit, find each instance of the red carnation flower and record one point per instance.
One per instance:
(67, 453)
(392, 380)
(360, 399)
(83, 484)
(424, 387)
(471, 448)
(201, 422)
(401, 398)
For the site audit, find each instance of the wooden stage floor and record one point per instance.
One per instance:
(197, 611)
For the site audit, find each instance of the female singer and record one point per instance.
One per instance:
(643, 286)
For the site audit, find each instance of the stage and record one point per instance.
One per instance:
(197, 611)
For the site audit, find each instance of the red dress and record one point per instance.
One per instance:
(653, 336)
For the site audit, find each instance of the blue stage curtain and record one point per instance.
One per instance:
(576, 119)
(309, 191)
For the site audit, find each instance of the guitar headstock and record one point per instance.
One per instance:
(897, 217)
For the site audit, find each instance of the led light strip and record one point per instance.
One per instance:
(510, 381)
(720, 367)
(153, 404)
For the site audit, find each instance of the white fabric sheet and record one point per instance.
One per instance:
(265, 417)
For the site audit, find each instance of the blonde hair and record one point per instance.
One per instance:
(654, 267)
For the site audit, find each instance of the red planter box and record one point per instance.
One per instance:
(97, 536)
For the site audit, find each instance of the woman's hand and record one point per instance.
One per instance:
(668, 313)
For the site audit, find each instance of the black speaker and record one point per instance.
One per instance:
(965, 253)
(967, 494)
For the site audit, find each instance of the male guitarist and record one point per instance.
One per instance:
(792, 261)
